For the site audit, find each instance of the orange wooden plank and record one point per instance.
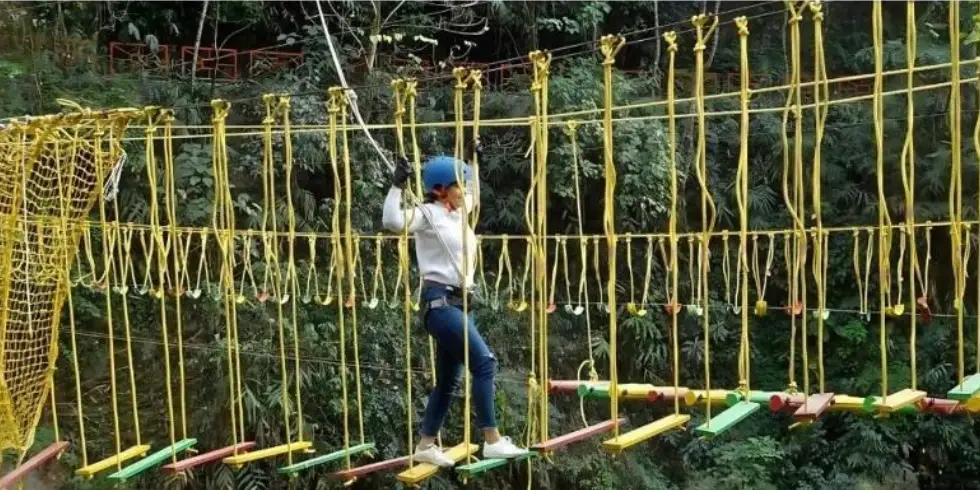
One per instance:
(813, 406)
(208, 457)
(579, 435)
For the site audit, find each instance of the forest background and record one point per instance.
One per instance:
(51, 50)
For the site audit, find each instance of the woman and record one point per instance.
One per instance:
(437, 225)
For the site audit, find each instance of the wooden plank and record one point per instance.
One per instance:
(727, 419)
(636, 436)
(667, 393)
(940, 406)
(483, 466)
(969, 388)
(900, 399)
(972, 405)
(694, 397)
(563, 441)
(359, 471)
(567, 386)
(99, 466)
(153, 460)
(847, 403)
(281, 449)
(813, 406)
(423, 471)
(325, 458)
(208, 457)
(10, 480)
(784, 402)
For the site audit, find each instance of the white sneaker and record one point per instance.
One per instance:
(433, 455)
(502, 449)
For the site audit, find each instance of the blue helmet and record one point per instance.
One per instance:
(441, 171)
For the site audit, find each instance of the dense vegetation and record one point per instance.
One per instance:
(66, 58)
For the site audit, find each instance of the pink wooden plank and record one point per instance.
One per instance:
(388, 464)
(814, 406)
(565, 386)
(940, 406)
(9, 480)
(579, 435)
(208, 457)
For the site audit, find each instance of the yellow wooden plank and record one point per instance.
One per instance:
(972, 405)
(847, 403)
(900, 399)
(693, 397)
(240, 459)
(635, 391)
(636, 436)
(422, 471)
(113, 461)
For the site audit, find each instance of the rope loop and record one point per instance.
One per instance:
(610, 46)
(742, 23)
(670, 38)
(817, 10)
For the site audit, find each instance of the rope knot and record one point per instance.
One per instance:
(532, 384)
(221, 109)
(817, 10)
(742, 23)
(610, 46)
(670, 38)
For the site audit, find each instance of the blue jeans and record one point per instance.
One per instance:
(445, 325)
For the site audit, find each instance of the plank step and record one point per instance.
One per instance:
(208, 457)
(10, 480)
(281, 449)
(153, 460)
(563, 441)
(325, 458)
(967, 389)
(100, 466)
(423, 471)
(636, 436)
(813, 406)
(359, 471)
(483, 466)
(727, 419)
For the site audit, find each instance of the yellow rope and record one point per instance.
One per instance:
(107, 247)
(349, 236)
(821, 94)
(884, 220)
(741, 195)
(342, 255)
(707, 202)
(610, 46)
(672, 298)
(907, 166)
(284, 108)
(404, 273)
(956, 184)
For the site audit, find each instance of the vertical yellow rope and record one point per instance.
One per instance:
(270, 247)
(610, 46)
(794, 204)
(907, 165)
(69, 299)
(741, 195)
(179, 260)
(339, 256)
(404, 272)
(461, 78)
(349, 249)
(672, 301)
(821, 96)
(976, 149)
(707, 203)
(284, 108)
(956, 183)
(107, 263)
(542, 62)
(884, 220)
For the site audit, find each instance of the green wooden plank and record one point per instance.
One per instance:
(761, 397)
(326, 458)
(469, 470)
(725, 420)
(152, 460)
(967, 389)
(594, 392)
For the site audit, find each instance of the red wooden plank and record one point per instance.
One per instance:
(814, 405)
(388, 464)
(52, 451)
(781, 402)
(941, 406)
(579, 435)
(208, 457)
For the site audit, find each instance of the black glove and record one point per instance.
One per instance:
(473, 148)
(403, 170)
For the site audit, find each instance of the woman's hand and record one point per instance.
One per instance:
(403, 170)
(473, 149)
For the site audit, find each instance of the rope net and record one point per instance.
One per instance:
(48, 185)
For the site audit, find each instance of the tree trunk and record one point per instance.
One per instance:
(197, 41)
(374, 39)
(656, 25)
(714, 42)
